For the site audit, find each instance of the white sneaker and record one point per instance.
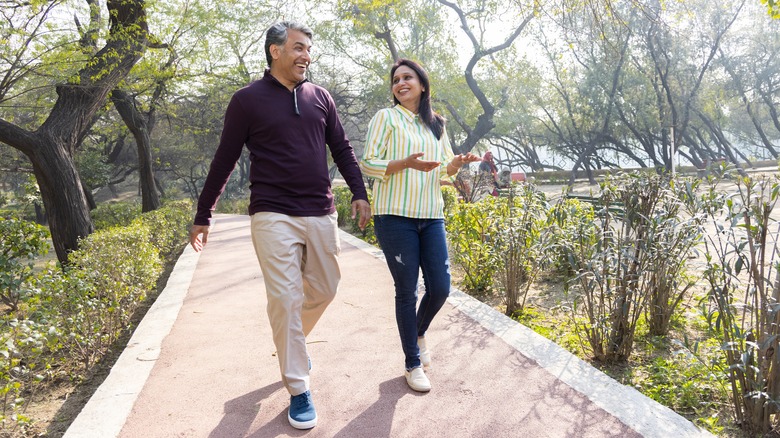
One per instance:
(417, 380)
(425, 355)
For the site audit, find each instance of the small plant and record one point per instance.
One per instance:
(22, 241)
(520, 246)
(743, 275)
(470, 230)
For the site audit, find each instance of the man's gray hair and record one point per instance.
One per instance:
(277, 34)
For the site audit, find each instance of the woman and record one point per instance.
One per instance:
(488, 168)
(406, 146)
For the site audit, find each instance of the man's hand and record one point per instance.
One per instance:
(196, 231)
(360, 206)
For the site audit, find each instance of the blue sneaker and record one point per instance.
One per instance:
(302, 414)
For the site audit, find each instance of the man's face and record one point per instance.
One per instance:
(291, 60)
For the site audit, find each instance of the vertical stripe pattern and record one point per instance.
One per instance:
(394, 134)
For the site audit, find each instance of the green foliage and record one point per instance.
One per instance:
(469, 232)
(94, 170)
(167, 227)
(772, 8)
(520, 243)
(28, 197)
(233, 206)
(69, 318)
(681, 383)
(450, 196)
(115, 214)
(688, 376)
(21, 241)
(342, 198)
(742, 274)
(638, 259)
(676, 235)
(553, 324)
(572, 226)
(26, 359)
(117, 268)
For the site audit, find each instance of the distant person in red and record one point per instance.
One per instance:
(488, 166)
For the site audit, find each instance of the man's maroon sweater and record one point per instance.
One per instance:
(286, 133)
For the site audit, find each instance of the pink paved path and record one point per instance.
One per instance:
(202, 364)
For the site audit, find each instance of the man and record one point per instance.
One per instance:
(285, 123)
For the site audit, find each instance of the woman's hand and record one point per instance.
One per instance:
(460, 160)
(412, 162)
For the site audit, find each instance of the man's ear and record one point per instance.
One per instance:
(274, 49)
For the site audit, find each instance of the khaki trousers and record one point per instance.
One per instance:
(299, 260)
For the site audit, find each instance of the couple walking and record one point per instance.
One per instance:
(286, 122)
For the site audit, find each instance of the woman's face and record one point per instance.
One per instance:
(407, 88)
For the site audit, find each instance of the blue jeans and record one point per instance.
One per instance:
(410, 245)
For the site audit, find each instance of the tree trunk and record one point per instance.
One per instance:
(51, 147)
(138, 125)
(66, 206)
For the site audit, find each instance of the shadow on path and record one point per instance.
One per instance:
(241, 411)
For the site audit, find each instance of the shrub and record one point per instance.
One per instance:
(470, 229)
(167, 227)
(640, 234)
(27, 355)
(69, 318)
(109, 276)
(21, 241)
(450, 196)
(233, 206)
(571, 224)
(520, 245)
(115, 214)
(742, 274)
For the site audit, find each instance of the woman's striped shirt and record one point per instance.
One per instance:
(394, 134)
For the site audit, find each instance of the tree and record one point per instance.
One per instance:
(139, 101)
(485, 122)
(419, 30)
(772, 8)
(51, 146)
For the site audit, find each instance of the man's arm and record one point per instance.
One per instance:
(234, 133)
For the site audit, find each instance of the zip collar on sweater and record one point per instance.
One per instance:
(267, 75)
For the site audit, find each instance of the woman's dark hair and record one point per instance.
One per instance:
(431, 119)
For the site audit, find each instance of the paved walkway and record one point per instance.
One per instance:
(202, 364)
